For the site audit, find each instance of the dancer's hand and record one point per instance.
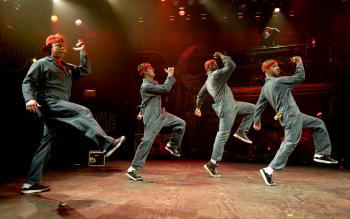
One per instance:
(218, 55)
(139, 116)
(169, 71)
(80, 46)
(198, 112)
(296, 59)
(32, 106)
(257, 126)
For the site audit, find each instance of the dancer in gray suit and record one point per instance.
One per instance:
(277, 91)
(46, 91)
(155, 118)
(225, 106)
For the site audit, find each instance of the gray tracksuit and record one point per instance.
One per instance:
(225, 106)
(277, 91)
(50, 85)
(155, 118)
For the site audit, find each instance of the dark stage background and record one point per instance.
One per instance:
(122, 34)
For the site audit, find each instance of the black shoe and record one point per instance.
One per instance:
(324, 159)
(267, 178)
(211, 168)
(242, 136)
(173, 149)
(36, 188)
(134, 176)
(114, 146)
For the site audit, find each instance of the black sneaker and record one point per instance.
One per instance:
(36, 188)
(173, 149)
(324, 159)
(134, 176)
(242, 136)
(267, 178)
(211, 168)
(114, 146)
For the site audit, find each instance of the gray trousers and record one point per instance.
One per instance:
(70, 113)
(226, 123)
(152, 130)
(292, 137)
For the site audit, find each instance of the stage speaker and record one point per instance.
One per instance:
(96, 158)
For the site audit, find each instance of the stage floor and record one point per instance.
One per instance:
(182, 189)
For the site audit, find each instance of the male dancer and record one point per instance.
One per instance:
(46, 91)
(277, 91)
(155, 118)
(225, 106)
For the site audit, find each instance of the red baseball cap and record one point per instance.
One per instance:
(50, 40)
(208, 63)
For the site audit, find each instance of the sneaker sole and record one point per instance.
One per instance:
(132, 178)
(212, 175)
(109, 153)
(176, 155)
(265, 180)
(242, 139)
(324, 161)
(27, 192)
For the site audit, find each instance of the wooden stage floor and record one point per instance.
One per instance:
(182, 189)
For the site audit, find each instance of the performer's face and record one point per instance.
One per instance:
(150, 72)
(213, 66)
(58, 51)
(274, 70)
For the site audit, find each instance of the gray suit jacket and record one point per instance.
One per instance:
(216, 86)
(277, 91)
(151, 100)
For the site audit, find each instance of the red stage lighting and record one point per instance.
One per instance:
(313, 42)
(319, 115)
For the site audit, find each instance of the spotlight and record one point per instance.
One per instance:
(182, 11)
(257, 14)
(34, 60)
(54, 18)
(17, 7)
(277, 10)
(78, 22)
(291, 13)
